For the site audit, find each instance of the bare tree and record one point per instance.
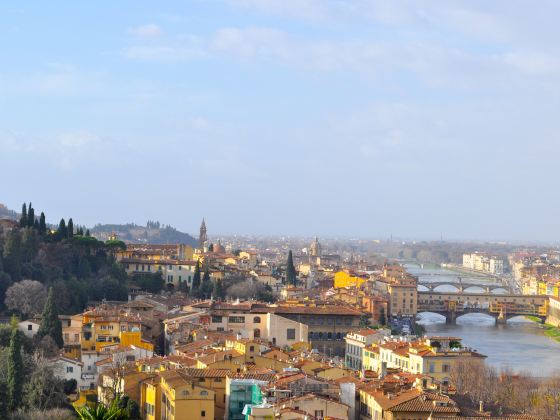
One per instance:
(26, 297)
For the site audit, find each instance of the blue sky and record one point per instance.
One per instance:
(355, 118)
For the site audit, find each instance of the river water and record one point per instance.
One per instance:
(520, 344)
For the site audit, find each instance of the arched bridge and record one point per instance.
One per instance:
(502, 306)
(462, 286)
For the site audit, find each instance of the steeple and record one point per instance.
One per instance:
(202, 238)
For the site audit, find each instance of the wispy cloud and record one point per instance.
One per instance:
(150, 30)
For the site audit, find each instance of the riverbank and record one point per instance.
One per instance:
(549, 330)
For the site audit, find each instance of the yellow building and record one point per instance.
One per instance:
(434, 356)
(183, 399)
(405, 404)
(403, 299)
(105, 328)
(343, 279)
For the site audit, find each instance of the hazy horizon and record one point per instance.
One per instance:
(296, 117)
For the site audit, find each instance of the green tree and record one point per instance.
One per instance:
(291, 278)
(196, 277)
(102, 412)
(133, 410)
(62, 230)
(15, 372)
(23, 219)
(70, 228)
(218, 291)
(42, 224)
(30, 216)
(206, 287)
(50, 323)
(87, 233)
(13, 255)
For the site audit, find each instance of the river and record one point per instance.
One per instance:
(520, 344)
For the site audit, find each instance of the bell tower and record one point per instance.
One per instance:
(202, 237)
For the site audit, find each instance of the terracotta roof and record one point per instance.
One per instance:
(205, 373)
(427, 403)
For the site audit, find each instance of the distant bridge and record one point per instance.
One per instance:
(502, 306)
(461, 286)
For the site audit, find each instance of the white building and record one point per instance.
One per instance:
(356, 341)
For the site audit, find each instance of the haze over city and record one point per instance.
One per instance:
(303, 117)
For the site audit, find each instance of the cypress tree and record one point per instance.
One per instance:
(62, 231)
(290, 270)
(218, 290)
(50, 324)
(30, 216)
(42, 224)
(196, 277)
(87, 232)
(23, 219)
(70, 228)
(206, 285)
(15, 371)
(13, 255)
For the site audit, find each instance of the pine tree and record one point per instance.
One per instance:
(70, 228)
(15, 371)
(23, 219)
(87, 232)
(50, 324)
(42, 224)
(30, 216)
(290, 271)
(196, 277)
(62, 230)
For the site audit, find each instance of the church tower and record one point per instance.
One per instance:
(316, 248)
(202, 237)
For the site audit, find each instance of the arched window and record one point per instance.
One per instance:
(257, 333)
(257, 320)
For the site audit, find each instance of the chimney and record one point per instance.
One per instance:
(383, 372)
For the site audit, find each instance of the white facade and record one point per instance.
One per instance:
(481, 262)
(29, 328)
(356, 341)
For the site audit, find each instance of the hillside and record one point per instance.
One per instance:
(6, 213)
(153, 233)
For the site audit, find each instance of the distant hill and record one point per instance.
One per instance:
(6, 213)
(153, 233)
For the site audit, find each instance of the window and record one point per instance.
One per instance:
(216, 319)
(237, 319)
(257, 333)
(29, 327)
(69, 369)
(185, 393)
(203, 413)
(257, 319)
(180, 279)
(291, 334)
(130, 358)
(203, 393)
(319, 414)
(251, 348)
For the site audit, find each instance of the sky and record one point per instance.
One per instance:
(421, 119)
